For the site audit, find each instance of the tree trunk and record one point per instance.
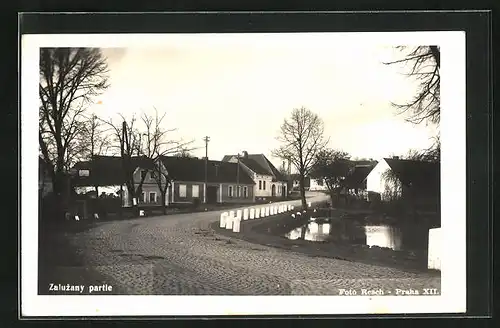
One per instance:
(303, 233)
(163, 200)
(60, 192)
(303, 191)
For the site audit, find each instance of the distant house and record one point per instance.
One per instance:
(45, 186)
(295, 181)
(416, 180)
(269, 182)
(225, 182)
(105, 175)
(317, 185)
(356, 181)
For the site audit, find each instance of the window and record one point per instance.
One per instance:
(143, 175)
(196, 191)
(152, 197)
(260, 185)
(264, 185)
(230, 191)
(143, 197)
(245, 192)
(182, 191)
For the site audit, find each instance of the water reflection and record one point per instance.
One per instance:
(349, 231)
(383, 236)
(312, 232)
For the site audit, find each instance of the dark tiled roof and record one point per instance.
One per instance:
(259, 164)
(277, 174)
(419, 174)
(193, 170)
(254, 166)
(357, 176)
(107, 170)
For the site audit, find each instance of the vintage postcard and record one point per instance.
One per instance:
(270, 173)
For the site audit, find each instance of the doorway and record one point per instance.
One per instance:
(212, 194)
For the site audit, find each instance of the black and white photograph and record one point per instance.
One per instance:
(298, 173)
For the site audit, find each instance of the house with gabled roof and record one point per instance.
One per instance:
(356, 181)
(269, 182)
(226, 183)
(105, 174)
(402, 178)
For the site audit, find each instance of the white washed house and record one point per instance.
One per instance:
(420, 178)
(269, 182)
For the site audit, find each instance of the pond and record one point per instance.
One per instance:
(344, 230)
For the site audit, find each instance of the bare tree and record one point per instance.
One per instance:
(301, 140)
(184, 152)
(69, 79)
(332, 167)
(94, 139)
(126, 140)
(425, 63)
(431, 154)
(157, 144)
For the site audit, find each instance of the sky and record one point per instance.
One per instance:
(238, 90)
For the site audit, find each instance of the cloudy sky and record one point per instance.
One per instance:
(238, 89)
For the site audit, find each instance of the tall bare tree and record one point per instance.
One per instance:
(69, 79)
(424, 62)
(301, 138)
(126, 141)
(155, 144)
(94, 139)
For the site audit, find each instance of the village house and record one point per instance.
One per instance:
(295, 182)
(104, 175)
(269, 183)
(317, 185)
(356, 181)
(226, 182)
(415, 180)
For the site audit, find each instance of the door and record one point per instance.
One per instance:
(273, 190)
(212, 194)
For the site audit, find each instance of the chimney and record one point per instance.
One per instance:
(245, 154)
(395, 157)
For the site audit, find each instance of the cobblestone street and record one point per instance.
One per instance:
(180, 254)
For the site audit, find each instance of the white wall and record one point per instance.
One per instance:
(314, 185)
(375, 181)
(264, 192)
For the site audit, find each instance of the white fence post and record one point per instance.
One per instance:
(258, 211)
(238, 214)
(229, 221)
(267, 211)
(434, 253)
(236, 224)
(252, 213)
(245, 214)
(223, 218)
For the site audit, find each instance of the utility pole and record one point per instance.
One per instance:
(206, 139)
(122, 153)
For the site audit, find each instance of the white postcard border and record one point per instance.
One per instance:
(453, 195)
